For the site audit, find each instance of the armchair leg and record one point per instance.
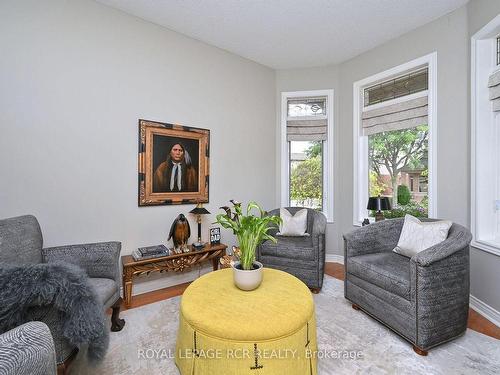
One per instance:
(419, 351)
(116, 323)
(355, 307)
(62, 369)
(315, 290)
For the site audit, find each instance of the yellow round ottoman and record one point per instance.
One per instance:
(224, 330)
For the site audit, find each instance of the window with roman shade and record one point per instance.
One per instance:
(306, 119)
(307, 150)
(408, 106)
(393, 126)
(494, 90)
(485, 137)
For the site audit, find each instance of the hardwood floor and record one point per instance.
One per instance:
(334, 270)
(480, 324)
(155, 296)
(476, 321)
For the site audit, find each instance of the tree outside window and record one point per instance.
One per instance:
(399, 163)
(306, 174)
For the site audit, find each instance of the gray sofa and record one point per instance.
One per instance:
(21, 243)
(425, 299)
(27, 350)
(303, 257)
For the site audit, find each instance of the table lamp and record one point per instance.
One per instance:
(198, 211)
(379, 204)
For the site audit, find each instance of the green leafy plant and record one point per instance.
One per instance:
(404, 195)
(412, 208)
(249, 229)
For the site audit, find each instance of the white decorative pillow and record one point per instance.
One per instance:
(293, 225)
(417, 236)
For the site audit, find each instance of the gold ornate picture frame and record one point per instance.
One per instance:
(174, 165)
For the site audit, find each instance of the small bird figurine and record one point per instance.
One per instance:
(180, 231)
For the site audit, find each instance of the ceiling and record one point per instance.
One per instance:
(290, 33)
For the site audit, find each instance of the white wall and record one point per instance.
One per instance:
(75, 77)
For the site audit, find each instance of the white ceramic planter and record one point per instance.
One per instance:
(247, 279)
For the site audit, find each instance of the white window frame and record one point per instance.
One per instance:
(328, 151)
(483, 62)
(360, 142)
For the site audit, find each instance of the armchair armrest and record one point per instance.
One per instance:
(27, 349)
(96, 259)
(378, 237)
(440, 290)
(318, 224)
(318, 229)
(457, 240)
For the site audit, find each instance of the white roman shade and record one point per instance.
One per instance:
(494, 88)
(403, 115)
(308, 127)
(306, 130)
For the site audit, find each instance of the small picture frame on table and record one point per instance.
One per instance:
(214, 235)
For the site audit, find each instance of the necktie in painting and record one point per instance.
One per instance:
(176, 178)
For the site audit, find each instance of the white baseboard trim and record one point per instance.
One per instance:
(335, 258)
(485, 310)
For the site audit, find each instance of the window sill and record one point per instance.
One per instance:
(490, 247)
(360, 223)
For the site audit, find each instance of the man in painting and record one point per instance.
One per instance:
(176, 173)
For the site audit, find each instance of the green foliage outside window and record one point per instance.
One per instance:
(396, 150)
(404, 195)
(376, 186)
(306, 180)
(412, 208)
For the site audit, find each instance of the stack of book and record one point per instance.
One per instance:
(150, 252)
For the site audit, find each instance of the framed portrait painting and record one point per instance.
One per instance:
(174, 164)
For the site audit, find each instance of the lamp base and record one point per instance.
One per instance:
(379, 216)
(198, 245)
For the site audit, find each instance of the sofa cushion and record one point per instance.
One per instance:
(20, 240)
(417, 236)
(387, 270)
(293, 225)
(105, 288)
(290, 247)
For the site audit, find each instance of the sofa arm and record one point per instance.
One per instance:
(318, 229)
(27, 349)
(455, 242)
(378, 237)
(96, 259)
(440, 293)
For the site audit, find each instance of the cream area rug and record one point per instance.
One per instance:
(349, 342)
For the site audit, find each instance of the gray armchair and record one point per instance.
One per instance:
(21, 244)
(303, 257)
(27, 350)
(424, 299)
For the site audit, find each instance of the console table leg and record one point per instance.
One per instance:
(215, 263)
(127, 290)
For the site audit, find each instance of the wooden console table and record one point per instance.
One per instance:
(175, 262)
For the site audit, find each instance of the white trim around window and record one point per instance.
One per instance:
(328, 192)
(360, 142)
(485, 142)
